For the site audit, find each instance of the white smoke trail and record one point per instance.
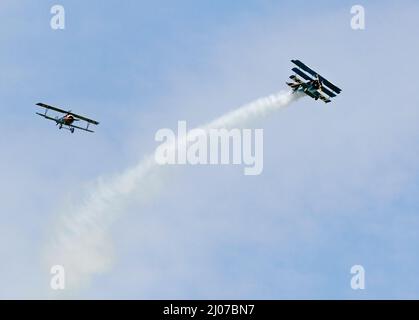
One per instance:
(81, 243)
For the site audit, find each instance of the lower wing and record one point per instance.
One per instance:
(323, 97)
(47, 117)
(80, 128)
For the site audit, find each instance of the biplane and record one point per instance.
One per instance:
(315, 86)
(66, 121)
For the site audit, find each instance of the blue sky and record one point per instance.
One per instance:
(340, 181)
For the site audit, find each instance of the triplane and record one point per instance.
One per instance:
(317, 88)
(67, 120)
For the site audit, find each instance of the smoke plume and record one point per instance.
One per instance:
(81, 241)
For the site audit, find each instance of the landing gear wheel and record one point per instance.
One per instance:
(72, 130)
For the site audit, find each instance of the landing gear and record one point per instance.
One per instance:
(60, 127)
(72, 130)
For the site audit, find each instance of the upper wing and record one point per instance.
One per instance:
(84, 118)
(302, 74)
(304, 67)
(43, 105)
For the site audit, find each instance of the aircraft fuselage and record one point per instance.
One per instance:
(67, 120)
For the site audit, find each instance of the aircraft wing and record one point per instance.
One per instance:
(43, 105)
(330, 85)
(302, 74)
(317, 94)
(315, 74)
(311, 95)
(46, 117)
(328, 92)
(84, 118)
(323, 97)
(304, 67)
(80, 128)
(295, 78)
